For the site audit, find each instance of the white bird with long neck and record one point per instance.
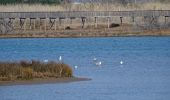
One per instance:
(75, 67)
(94, 59)
(121, 62)
(46, 60)
(60, 58)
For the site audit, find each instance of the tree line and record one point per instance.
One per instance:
(164, 1)
(30, 1)
(68, 1)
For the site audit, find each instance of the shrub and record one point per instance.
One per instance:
(68, 28)
(114, 25)
(35, 69)
(27, 73)
(67, 71)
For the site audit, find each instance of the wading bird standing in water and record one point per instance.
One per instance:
(46, 60)
(94, 59)
(60, 58)
(75, 67)
(98, 63)
(121, 62)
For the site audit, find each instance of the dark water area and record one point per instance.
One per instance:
(144, 74)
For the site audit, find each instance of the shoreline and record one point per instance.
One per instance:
(43, 81)
(84, 34)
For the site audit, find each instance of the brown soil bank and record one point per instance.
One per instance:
(43, 81)
(85, 33)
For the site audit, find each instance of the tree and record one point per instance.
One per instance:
(30, 1)
(164, 1)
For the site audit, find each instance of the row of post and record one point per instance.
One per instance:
(52, 22)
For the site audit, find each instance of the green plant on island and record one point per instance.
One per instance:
(25, 70)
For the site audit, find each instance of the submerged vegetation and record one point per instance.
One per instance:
(25, 70)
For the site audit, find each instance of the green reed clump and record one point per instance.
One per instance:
(26, 70)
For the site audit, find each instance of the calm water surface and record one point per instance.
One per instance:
(144, 75)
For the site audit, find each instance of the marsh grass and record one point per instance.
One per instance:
(26, 70)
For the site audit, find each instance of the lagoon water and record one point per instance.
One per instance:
(144, 74)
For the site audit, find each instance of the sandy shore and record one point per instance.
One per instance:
(42, 81)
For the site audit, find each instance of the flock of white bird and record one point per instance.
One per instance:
(99, 63)
(95, 60)
(60, 60)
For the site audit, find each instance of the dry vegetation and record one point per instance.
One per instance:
(83, 7)
(25, 70)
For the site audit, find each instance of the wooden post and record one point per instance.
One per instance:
(34, 23)
(96, 22)
(60, 19)
(30, 23)
(45, 24)
(108, 22)
(13, 24)
(22, 22)
(40, 24)
(133, 19)
(71, 20)
(121, 20)
(165, 19)
(64, 24)
(55, 24)
(85, 22)
(83, 19)
(25, 20)
(60, 22)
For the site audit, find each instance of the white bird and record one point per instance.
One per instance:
(60, 58)
(94, 59)
(75, 67)
(46, 60)
(121, 62)
(99, 63)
